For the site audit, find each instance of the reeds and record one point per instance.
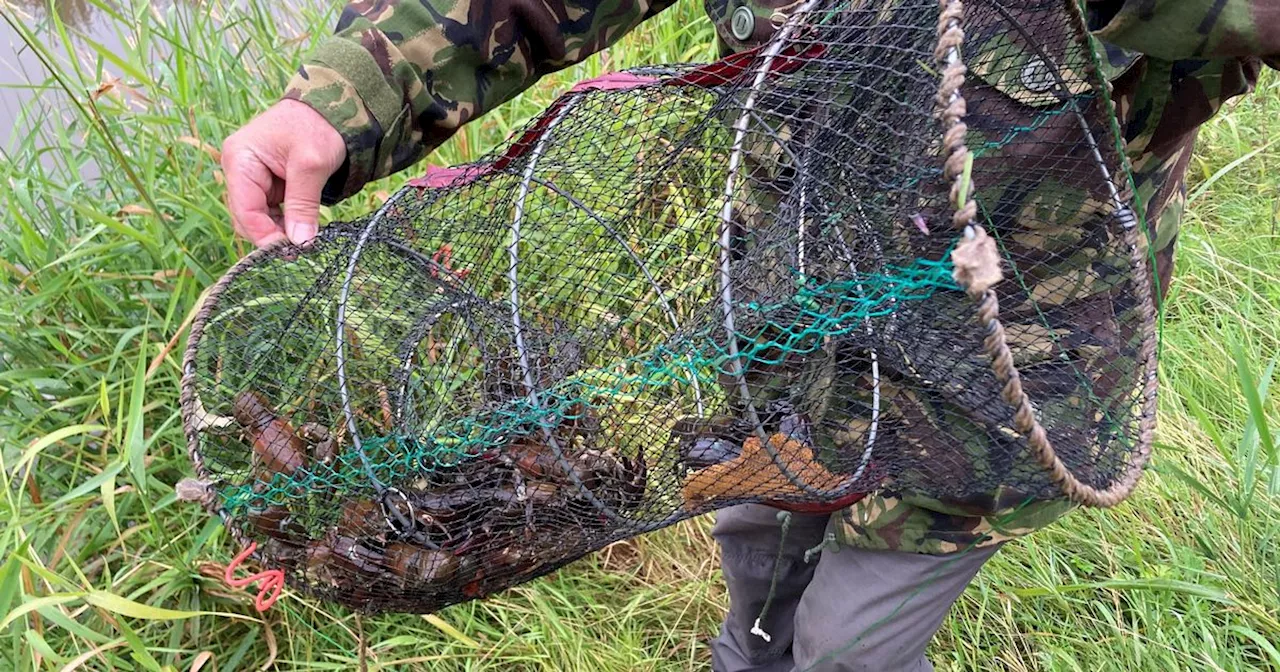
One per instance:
(102, 569)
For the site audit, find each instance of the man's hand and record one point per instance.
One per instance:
(276, 167)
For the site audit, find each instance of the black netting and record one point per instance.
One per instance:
(689, 287)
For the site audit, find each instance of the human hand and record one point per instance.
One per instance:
(276, 166)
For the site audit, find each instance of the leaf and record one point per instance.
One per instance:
(134, 209)
(58, 617)
(104, 401)
(1168, 467)
(43, 572)
(123, 230)
(173, 342)
(38, 603)
(201, 660)
(1261, 641)
(393, 642)
(1209, 426)
(109, 500)
(1204, 186)
(107, 85)
(52, 438)
(1155, 585)
(1256, 428)
(9, 575)
(1259, 417)
(110, 55)
(140, 652)
(134, 447)
(127, 607)
(83, 658)
(40, 646)
(90, 485)
(962, 194)
(448, 629)
(202, 146)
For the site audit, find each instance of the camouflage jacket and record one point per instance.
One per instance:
(399, 78)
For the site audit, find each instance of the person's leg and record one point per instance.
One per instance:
(875, 611)
(748, 536)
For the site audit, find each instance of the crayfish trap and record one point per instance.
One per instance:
(891, 251)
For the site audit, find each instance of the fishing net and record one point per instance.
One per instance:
(891, 251)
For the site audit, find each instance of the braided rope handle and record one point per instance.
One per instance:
(977, 262)
(193, 412)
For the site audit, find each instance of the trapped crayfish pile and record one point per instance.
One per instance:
(419, 534)
(837, 265)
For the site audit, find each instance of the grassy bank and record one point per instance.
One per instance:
(97, 279)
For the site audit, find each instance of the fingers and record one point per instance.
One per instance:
(249, 183)
(306, 174)
(276, 168)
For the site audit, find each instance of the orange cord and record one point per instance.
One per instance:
(272, 580)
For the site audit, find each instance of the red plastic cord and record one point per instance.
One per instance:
(272, 580)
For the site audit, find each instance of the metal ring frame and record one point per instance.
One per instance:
(1123, 212)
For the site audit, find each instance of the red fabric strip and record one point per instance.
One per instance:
(726, 71)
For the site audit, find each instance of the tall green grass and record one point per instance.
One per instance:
(103, 569)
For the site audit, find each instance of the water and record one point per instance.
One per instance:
(24, 80)
(23, 76)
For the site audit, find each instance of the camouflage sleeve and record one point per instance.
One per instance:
(1190, 29)
(399, 77)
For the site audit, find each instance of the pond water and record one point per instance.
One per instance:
(21, 72)
(22, 75)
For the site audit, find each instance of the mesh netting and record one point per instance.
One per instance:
(831, 266)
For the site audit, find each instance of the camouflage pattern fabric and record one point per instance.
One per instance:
(400, 77)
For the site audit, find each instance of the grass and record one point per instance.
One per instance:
(103, 569)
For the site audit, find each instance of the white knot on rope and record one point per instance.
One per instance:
(759, 631)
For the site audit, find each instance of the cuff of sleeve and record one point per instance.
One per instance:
(344, 84)
(361, 72)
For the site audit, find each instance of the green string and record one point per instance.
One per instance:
(800, 325)
(1139, 206)
(828, 543)
(784, 517)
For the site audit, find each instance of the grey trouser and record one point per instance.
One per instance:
(848, 609)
